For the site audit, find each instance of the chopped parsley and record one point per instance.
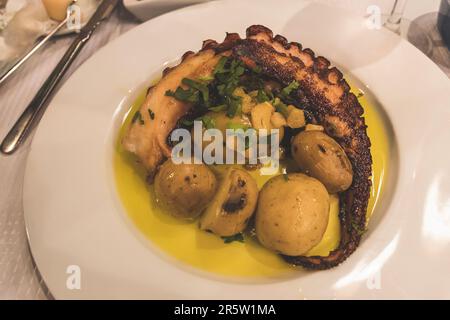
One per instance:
(286, 92)
(263, 96)
(216, 92)
(220, 67)
(186, 95)
(208, 122)
(281, 107)
(200, 87)
(234, 106)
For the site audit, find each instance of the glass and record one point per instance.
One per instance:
(409, 30)
(444, 21)
(394, 21)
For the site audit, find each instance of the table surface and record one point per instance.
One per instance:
(19, 277)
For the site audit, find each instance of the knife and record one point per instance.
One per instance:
(35, 110)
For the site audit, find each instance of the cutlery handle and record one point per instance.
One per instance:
(33, 113)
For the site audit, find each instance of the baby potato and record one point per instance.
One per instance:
(321, 157)
(184, 189)
(233, 204)
(292, 214)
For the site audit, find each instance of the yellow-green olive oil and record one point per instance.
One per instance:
(185, 242)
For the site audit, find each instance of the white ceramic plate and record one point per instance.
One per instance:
(74, 216)
(146, 9)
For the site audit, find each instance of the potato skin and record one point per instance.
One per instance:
(233, 204)
(292, 214)
(321, 157)
(184, 189)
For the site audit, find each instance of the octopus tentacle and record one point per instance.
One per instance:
(328, 97)
(323, 92)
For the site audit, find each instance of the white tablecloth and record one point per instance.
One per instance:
(19, 278)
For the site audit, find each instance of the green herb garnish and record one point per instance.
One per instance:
(264, 96)
(201, 87)
(237, 237)
(188, 95)
(216, 92)
(234, 106)
(208, 122)
(281, 107)
(220, 67)
(286, 92)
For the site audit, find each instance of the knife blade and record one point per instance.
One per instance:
(35, 110)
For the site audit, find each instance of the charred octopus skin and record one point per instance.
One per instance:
(322, 93)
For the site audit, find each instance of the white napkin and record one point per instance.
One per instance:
(22, 22)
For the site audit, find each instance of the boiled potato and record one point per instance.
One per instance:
(233, 205)
(321, 157)
(184, 189)
(292, 214)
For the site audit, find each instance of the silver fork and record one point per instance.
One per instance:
(37, 46)
(33, 113)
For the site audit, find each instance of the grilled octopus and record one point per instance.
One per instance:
(323, 92)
